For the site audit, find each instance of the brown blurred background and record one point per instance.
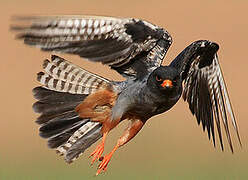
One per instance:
(171, 145)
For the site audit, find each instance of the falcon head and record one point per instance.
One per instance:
(164, 79)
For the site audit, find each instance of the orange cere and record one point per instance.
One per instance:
(167, 83)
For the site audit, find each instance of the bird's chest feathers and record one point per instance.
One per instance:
(147, 104)
(161, 104)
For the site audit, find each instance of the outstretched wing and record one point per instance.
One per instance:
(205, 89)
(125, 44)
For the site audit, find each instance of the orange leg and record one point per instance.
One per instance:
(129, 133)
(99, 149)
(107, 126)
(97, 107)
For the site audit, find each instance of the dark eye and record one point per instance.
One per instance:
(158, 78)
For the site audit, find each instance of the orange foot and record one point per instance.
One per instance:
(99, 149)
(103, 165)
(97, 153)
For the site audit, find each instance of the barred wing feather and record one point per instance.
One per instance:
(112, 41)
(205, 89)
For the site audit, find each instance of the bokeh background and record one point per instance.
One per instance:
(171, 145)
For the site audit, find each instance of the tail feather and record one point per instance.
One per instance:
(44, 95)
(61, 124)
(59, 139)
(65, 86)
(44, 118)
(62, 76)
(83, 138)
(83, 143)
(52, 104)
(51, 108)
(58, 125)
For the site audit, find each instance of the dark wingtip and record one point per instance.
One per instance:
(19, 18)
(221, 142)
(231, 147)
(19, 24)
(240, 142)
(213, 137)
(215, 46)
(25, 18)
(17, 28)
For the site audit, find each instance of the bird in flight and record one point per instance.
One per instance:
(78, 107)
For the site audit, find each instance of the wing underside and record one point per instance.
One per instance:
(205, 89)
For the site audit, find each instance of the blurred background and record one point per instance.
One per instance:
(171, 145)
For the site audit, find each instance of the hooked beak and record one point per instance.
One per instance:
(167, 84)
